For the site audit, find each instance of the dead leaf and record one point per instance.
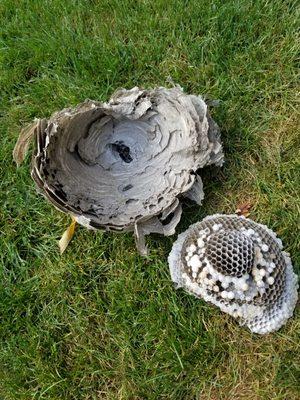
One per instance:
(243, 209)
(67, 236)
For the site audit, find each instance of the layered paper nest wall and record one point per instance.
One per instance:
(125, 165)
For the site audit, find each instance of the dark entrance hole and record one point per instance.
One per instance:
(122, 150)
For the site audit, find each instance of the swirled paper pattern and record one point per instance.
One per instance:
(123, 165)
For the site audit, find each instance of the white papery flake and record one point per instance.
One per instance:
(124, 165)
(238, 265)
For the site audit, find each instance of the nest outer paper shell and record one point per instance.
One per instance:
(124, 165)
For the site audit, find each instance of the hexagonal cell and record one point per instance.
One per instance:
(240, 258)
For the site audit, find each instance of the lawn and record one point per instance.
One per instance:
(100, 321)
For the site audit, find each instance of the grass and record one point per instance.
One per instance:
(101, 322)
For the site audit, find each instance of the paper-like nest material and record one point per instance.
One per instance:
(239, 266)
(123, 165)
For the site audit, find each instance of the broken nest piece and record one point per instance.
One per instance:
(124, 165)
(239, 266)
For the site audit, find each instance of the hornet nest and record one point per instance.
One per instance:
(123, 165)
(239, 266)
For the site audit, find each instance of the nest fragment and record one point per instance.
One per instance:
(239, 266)
(123, 165)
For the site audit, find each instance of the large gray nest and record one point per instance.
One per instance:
(123, 165)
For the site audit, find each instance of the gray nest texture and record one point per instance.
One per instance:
(124, 165)
(238, 265)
